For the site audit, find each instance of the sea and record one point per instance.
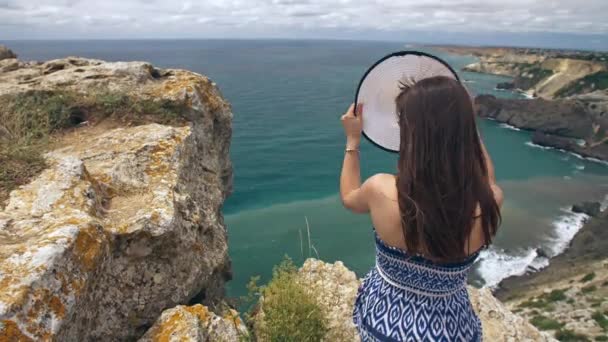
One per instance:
(287, 148)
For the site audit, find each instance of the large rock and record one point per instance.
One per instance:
(335, 289)
(6, 53)
(559, 117)
(499, 323)
(557, 123)
(599, 151)
(196, 324)
(124, 223)
(542, 73)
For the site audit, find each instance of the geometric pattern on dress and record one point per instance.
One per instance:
(410, 298)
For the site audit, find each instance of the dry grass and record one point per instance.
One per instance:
(29, 120)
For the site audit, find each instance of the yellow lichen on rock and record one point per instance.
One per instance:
(195, 324)
(97, 245)
(10, 332)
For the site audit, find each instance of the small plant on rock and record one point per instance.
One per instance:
(287, 311)
(545, 323)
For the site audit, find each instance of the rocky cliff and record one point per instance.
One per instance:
(6, 53)
(124, 221)
(578, 124)
(544, 73)
(570, 296)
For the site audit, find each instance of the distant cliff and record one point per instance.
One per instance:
(543, 73)
(570, 107)
(577, 124)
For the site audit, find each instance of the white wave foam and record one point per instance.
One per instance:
(507, 126)
(604, 203)
(595, 160)
(579, 167)
(531, 144)
(495, 264)
(566, 226)
(526, 95)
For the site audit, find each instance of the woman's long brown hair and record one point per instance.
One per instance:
(442, 174)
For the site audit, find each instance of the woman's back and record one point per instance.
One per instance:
(412, 296)
(386, 216)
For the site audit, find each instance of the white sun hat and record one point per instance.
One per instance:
(380, 86)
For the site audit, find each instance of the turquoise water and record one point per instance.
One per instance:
(287, 150)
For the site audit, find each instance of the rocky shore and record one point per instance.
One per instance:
(569, 124)
(569, 90)
(119, 233)
(573, 290)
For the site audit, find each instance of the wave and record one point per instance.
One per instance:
(595, 160)
(507, 126)
(566, 227)
(496, 264)
(526, 95)
(604, 203)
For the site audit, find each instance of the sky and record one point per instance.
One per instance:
(559, 23)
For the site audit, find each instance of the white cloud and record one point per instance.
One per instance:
(67, 18)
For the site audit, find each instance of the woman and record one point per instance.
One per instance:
(431, 219)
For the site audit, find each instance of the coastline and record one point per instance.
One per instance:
(586, 250)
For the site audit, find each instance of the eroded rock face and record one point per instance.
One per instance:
(499, 323)
(196, 324)
(335, 289)
(6, 53)
(124, 223)
(559, 117)
(540, 75)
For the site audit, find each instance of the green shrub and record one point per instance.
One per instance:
(565, 335)
(588, 289)
(588, 277)
(555, 295)
(596, 81)
(545, 323)
(545, 300)
(601, 320)
(289, 312)
(601, 338)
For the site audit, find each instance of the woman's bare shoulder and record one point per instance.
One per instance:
(383, 184)
(382, 179)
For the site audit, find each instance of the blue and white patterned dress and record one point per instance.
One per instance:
(410, 298)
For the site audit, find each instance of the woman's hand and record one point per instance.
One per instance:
(353, 125)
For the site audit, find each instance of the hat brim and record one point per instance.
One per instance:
(380, 86)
